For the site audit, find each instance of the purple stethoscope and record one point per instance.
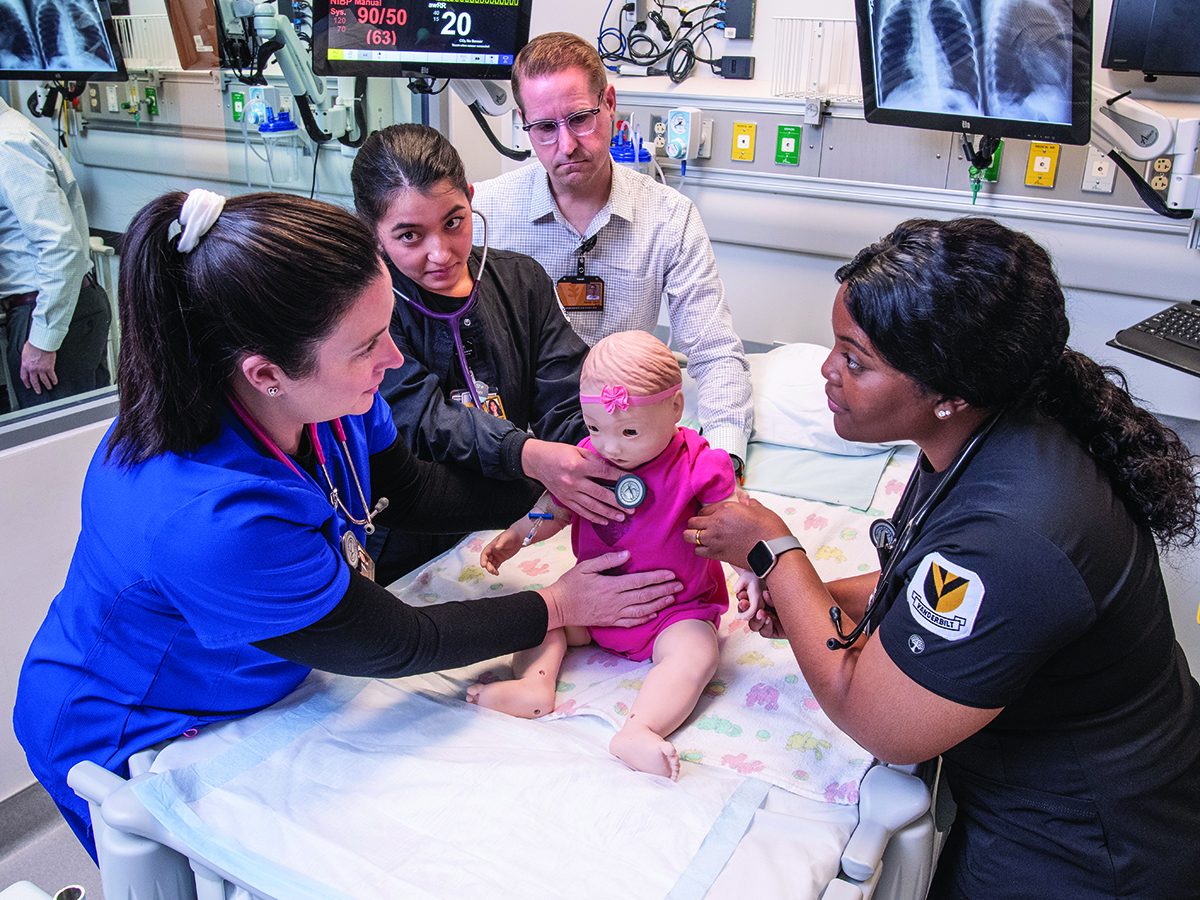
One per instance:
(454, 319)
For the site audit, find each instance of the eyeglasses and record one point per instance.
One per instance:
(580, 124)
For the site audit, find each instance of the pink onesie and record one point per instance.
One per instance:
(681, 479)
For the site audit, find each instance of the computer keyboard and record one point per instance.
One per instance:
(1170, 337)
(1178, 323)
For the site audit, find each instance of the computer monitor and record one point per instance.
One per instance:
(59, 40)
(1002, 68)
(1157, 37)
(419, 38)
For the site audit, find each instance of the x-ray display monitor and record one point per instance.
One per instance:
(423, 38)
(1005, 68)
(62, 40)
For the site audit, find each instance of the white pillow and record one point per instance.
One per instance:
(789, 402)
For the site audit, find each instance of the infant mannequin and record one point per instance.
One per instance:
(631, 398)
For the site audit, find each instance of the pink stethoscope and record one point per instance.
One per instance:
(454, 319)
(339, 432)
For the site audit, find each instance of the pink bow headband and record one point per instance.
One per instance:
(616, 396)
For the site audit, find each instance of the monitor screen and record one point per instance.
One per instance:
(59, 40)
(421, 38)
(1004, 68)
(1158, 37)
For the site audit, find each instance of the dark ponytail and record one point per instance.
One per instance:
(273, 276)
(969, 308)
(1151, 468)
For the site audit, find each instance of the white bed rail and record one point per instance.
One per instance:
(892, 851)
(890, 855)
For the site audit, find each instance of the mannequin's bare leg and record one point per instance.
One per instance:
(685, 659)
(535, 677)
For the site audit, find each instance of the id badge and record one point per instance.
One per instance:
(492, 404)
(357, 556)
(581, 292)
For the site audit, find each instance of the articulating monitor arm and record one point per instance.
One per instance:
(1123, 127)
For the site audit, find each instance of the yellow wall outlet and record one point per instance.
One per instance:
(743, 141)
(1043, 165)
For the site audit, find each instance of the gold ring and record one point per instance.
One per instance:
(699, 543)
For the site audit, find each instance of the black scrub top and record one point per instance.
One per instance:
(1031, 588)
(517, 341)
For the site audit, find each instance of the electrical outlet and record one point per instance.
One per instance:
(658, 132)
(1158, 173)
(1099, 173)
(742, 149)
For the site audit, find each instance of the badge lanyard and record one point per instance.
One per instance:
(581, 291)
(355, 555)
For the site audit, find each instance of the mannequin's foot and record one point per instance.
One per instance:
(640, 748)
(524, 697)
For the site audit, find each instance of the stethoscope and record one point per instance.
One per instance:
(454, 319)
(892, 546)
(335, 500)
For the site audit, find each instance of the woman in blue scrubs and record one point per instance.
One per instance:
(224, 513)
(1021, 629)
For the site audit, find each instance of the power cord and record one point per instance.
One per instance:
(636, 46)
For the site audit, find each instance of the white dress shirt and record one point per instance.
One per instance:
(650, 245)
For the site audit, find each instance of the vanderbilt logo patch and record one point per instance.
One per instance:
(945, 597)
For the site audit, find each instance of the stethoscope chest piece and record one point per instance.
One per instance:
(883, 534)
(630, 491)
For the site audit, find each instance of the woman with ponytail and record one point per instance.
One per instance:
(221, 556)
(1025, 634)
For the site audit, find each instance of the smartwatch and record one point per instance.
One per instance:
(763, 555)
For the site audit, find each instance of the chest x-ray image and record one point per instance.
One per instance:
(54, 36)
(1007, 59)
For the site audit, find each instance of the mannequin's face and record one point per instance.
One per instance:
(630, 437)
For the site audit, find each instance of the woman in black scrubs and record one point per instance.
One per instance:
(1022, 630)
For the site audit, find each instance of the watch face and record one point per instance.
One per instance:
(760, 559)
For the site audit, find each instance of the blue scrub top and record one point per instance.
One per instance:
(183, 561)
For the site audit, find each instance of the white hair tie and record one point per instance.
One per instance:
(200, 210)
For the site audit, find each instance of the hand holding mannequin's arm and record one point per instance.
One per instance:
(571, 474)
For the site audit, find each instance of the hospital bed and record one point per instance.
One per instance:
(356, 787)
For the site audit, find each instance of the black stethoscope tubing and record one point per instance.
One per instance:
(454, 319)
(884, 536)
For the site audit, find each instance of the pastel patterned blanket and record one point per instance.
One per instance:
(757, 716)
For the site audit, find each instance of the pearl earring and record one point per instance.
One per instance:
(943, 413)
(272, 391)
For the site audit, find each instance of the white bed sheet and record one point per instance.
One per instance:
(791, 847)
